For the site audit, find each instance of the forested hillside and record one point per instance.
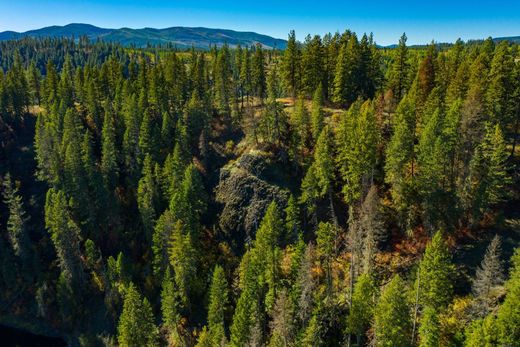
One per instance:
(331, 194)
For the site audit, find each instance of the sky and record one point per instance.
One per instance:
(422, 20)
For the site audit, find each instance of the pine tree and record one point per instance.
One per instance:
(291, 66)
(109, 153)
(317, 116)
(312, 64)
(357, 145)
(399, 80)
(147, 195)
(258, 77)
(17, 221)
(65, 235)
(392, 324)
(267, 247)
(292, 221)
(373, 228)
(399, 165)
(429, 331)
(362, 308)
(436, 273)
(325, 242)
(282, 322)
(136, 323)
(508, 317)
(346, 79)
(183, 261)
(170, 307)
(218, 299)
(488, 277)
(323, 167)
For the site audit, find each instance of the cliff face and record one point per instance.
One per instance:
(245, 189)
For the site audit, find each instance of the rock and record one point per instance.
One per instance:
(246, 189)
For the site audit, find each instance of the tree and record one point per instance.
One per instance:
(17, 221)
(325, 242)
(292, 221)
(147, 196)
(399, 80)
(302, 125)
(171, 306)
(373, 227)
(488, 177)
(136, 327)
(362, 308)
(109, 153)
(291, 66)
(183, 261)
(429, 331)
(258, 78)
(499, 96)
(282, 322)
(346, 78)
(268, 251)
(65, 235)
(357, 145)
(508, 317)
(489, 276)
(317, 116)
(392, 324)
(399, 164)
(312, 64)
(323, 167)
(436, 273)
(218, 299)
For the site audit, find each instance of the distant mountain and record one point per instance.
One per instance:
(514, 39)
(182, 37)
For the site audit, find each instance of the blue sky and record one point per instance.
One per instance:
(441, 20)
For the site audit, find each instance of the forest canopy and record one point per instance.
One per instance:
(332, 193)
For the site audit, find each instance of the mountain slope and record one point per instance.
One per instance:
(182, 37)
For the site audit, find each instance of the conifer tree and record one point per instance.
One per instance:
(218, 299)
(436, 272)
(392, 324)
(17, 220)
(291, 66)
(429, 331)
(399, 80)
(362, 308)
(488, 277)
(136, 324)
(317, 116)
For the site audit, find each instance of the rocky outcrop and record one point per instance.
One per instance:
(246, 187)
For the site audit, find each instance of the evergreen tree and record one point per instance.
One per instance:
(136, 323)
(435, 274)
(399, 80)
(392, 324)
(291, 66)
(362, 308)
(17, 221)
(218, 299)
(317, 116)
(429, 331)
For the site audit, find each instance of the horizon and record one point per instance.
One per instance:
(261, 33)
(442, 22)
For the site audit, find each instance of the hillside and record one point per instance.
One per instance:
(182, 37)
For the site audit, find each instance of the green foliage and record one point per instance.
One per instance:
(435, 274)
(392, 323)
(136, 323)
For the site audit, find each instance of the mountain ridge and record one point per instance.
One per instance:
(182, 37)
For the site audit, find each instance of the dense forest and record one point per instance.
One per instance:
(335, 193)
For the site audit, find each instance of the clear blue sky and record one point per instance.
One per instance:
(422, 20)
